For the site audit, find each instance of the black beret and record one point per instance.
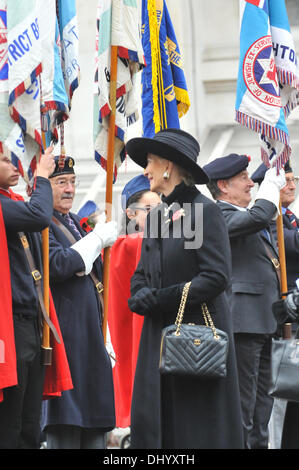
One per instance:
(67, 168)
(287, 167)
(223, 168)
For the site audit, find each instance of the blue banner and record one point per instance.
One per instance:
(164, 91)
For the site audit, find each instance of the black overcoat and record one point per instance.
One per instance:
(91, 402)
(185, 412)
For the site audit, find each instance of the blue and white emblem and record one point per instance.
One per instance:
(259, 72)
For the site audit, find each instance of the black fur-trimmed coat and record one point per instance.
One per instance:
(172, 412)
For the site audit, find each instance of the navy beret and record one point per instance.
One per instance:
(68, 167)
(287, 167)
(223, 168)
(136, 184)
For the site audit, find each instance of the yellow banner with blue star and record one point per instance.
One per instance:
(164, 90)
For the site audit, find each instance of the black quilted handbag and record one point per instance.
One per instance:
(193, 350)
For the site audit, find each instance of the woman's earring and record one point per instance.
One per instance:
(166, 175)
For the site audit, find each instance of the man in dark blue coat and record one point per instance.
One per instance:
(289, 219)
(255, 283)
(82, 416)
(20, 409)
(283, 424)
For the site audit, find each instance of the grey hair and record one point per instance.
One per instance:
(186, 177)
(214, 189)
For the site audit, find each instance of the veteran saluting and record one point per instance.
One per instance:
(254, 284)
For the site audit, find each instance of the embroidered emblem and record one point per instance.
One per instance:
(259, 72)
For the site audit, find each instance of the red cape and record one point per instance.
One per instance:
(8, 371)
(58, 376)
(125, 327)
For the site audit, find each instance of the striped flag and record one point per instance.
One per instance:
(38, 74)
(268, 79)
(24, 68)
(54, 97)
(117, 24)
(69, 40)
(18, 146)
(164, 90)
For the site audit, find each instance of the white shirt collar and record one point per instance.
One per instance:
(244, 209)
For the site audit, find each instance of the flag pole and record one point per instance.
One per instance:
(46, 348)
(283, 269)
(109, 179)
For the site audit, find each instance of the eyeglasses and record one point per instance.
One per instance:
(65, 183)
(144, 208)
(292, 180)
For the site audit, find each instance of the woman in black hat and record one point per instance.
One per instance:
(185, 240)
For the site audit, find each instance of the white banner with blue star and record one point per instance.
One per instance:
(268, 78)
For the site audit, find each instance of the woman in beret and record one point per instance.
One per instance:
(185, 239)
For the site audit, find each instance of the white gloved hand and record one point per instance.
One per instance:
(90, 246)
(272, 177)
(109, 348)
(107, 232)
(271, 186)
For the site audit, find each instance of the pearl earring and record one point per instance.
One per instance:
(166, 175)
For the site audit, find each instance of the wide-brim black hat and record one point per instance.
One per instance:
(172, 144)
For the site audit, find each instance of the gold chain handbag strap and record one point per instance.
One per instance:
(179, 318)
(208, 319)
(206, 314)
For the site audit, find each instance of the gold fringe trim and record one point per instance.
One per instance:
(183, 101)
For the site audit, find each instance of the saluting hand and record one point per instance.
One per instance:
(46, 164)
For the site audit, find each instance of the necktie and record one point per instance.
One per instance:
(70, 221)
(292, 217)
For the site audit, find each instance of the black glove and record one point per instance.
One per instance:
(286, 310)
(144, 301)
(169, 298)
